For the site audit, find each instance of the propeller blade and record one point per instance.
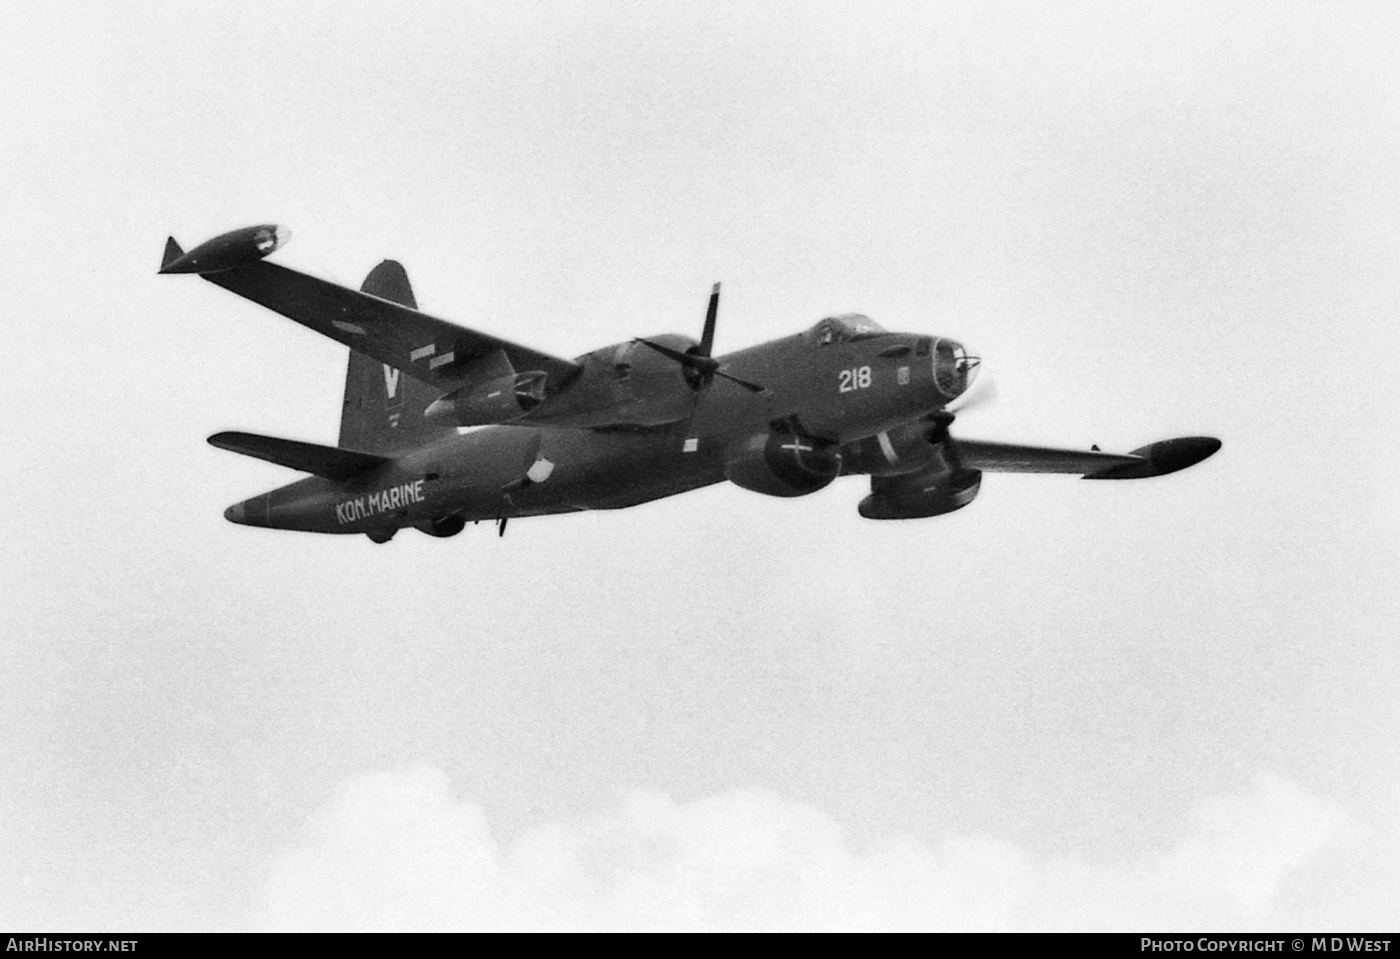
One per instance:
(751, 387)
(707, 367)
(699, 358)
(707, 339)
(702, 364)
(982, 392)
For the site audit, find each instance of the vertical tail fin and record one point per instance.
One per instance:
(383, 408)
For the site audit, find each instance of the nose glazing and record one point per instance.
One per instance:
(954, 368)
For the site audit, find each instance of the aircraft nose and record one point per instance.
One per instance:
(969, 365)
(955, 367)
(981, 391)
(235, 513)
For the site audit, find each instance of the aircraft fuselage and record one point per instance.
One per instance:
(654, 434)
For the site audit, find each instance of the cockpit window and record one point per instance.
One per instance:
(846, 328)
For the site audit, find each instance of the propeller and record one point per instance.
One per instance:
(697, 359)
(982, 392)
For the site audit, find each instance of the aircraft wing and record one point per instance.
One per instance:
(1155, 459)
(435, 351)
(950, 483)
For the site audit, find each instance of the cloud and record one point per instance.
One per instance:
(397, 851)
(1245, 845)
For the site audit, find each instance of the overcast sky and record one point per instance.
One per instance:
(1169, 704)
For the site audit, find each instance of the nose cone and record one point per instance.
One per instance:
(969, 363)
(981, 390)
(955, 368)
(236, 514)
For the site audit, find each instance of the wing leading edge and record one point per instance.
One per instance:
(951, 481)
(434, 351)
(1155, 459)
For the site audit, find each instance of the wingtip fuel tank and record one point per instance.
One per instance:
(1161, 458)
(228, 251)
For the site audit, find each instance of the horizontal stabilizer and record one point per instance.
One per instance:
(332, 462)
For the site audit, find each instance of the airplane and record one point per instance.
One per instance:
(442, 425)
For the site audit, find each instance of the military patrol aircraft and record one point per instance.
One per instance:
(626, 424)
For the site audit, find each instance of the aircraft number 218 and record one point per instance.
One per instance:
(856, 378)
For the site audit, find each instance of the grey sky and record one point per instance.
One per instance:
(1079, 705)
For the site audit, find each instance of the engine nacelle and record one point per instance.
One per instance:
(913, 497)
(783, 464)
(498, 401)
